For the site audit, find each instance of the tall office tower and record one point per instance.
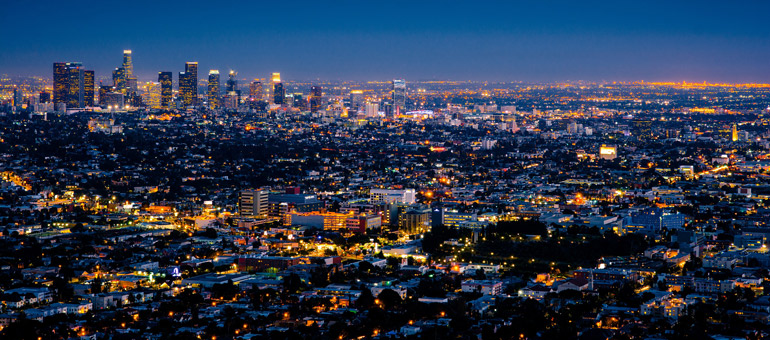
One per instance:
(213, 89)
(103, 91)
(183, 88)
(152, 95)
(278, 91)
(315, 98)
(734, 134)
(252, 202)
(18, 97)
(166, 88)
(128, 72)
(128, 64)
(232, 83)
(131, 84)
(255, 95)
(255, 91)
(188, 84)
(232, 98)
(372, 109)
(75, 88)
(399, 96)
(356, 99)
(298, 102)
(88, 88)
(278, 94)
(119, 79)
(60, 81)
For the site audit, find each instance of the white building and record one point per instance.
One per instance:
(486, 287)
(405, 196)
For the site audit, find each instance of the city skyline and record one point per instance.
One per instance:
(362, 170)
(707, 41)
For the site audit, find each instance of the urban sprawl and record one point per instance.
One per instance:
(268, 208)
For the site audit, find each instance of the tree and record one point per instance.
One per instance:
(389, 299)
(365, 300)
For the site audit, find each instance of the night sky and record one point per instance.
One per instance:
(715, 41)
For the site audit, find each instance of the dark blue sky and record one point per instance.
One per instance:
(364, 40)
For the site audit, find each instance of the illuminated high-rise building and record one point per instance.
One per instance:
(255, 91)
(88, 88)
(60, 83)
(399, 96)
(103, 91)
(128, 64)
(166, 88)
(232, 83)
(184, 89)
(132, 85)
(188, 84)
(213, 89)
(278, 91)
(734, 134)
(119, 79)
(316, 95)
(152, 95)
(357, 99)
(18, 97)
(232, 98)
(297, 101)
(256, 96)
(70, 85)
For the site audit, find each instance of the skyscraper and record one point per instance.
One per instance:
(188, 84)
(399, 96)
(131, 84)
(75, 85)
(255, 91)
(119, 79)
(103, 91)
(734, 133)
(18, 97)
(166, 87)
(152, 94)
(128, 64)
(232, 83)
(315, 98)
(278, 91)
(88, 88)
(357, 99)
(213, 89)
(60, 83)
(256, 101)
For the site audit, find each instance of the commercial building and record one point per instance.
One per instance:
(166, 88)
(399, 96)
(362, 223)
(405, 196)
(315, 98)
(278, 91)
(188, 84)
(253, 202)
(213, 90)
(608, 152)
(73, 85)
